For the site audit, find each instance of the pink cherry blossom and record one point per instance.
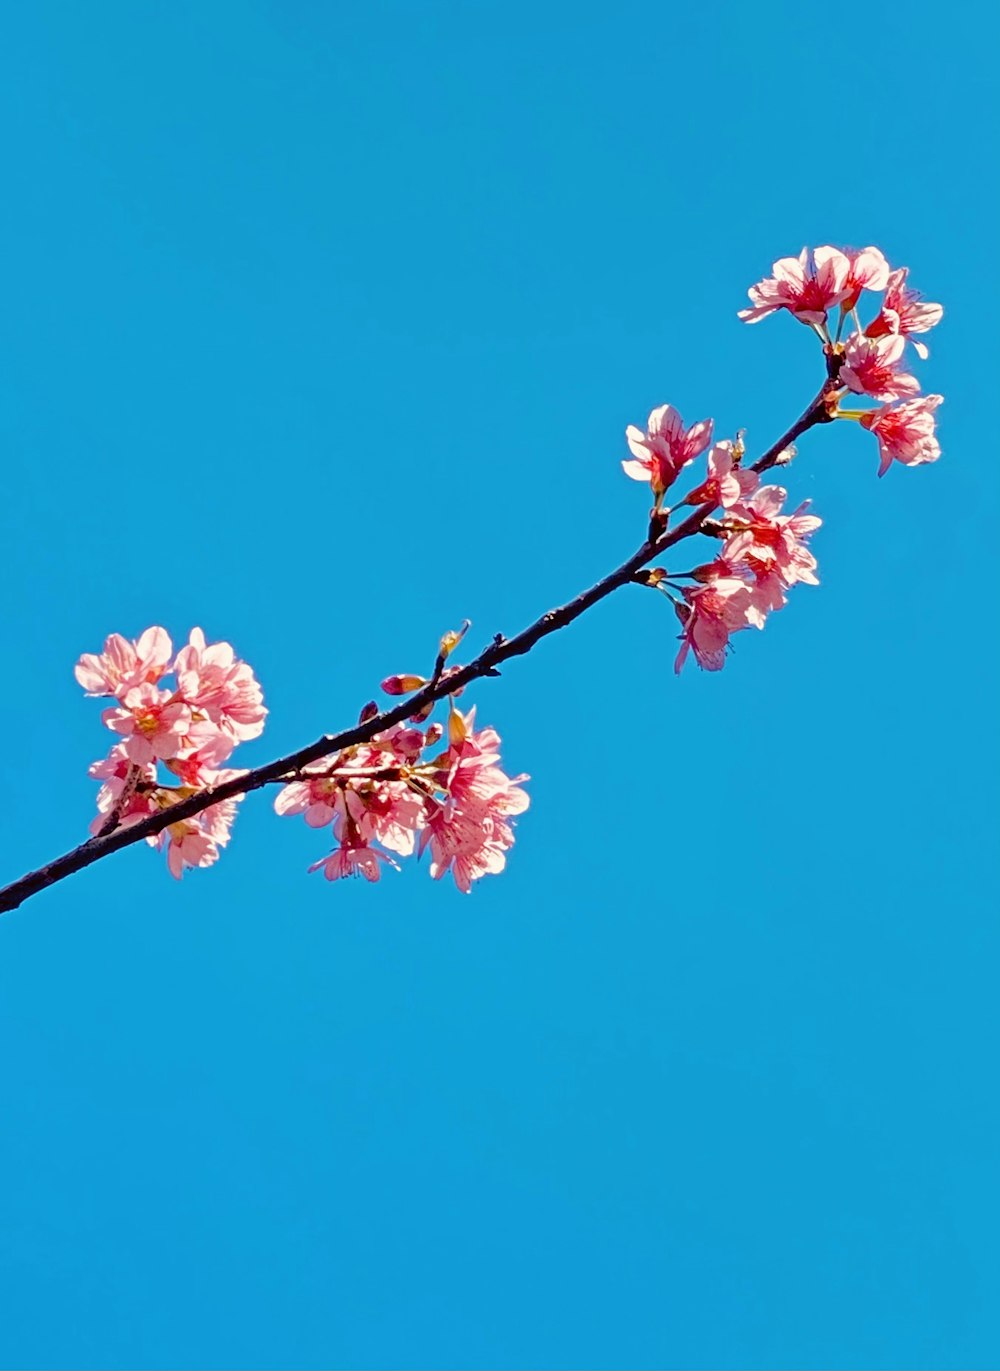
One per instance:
(216, 684)
(315, 797)
(468, 834)
(187, 845)
(807, 286)
(768, 542)
(127, 789)
(388, 812)
(905, 432)
(123, 665)
(904, 312)
(868, 271)
(726, 483)
(197, 841)
(665, 448)
(353, 861)
(712, 613)
(873, 366)
(400, 744)
(217, 820)
(153, 722)
(366, 793)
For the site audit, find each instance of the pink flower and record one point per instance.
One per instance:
(388, 812)
(316, 797)
(868, 271)
(807, 286)
(123, 665)
(367, 792)
(713, 612)
(353, 861)
(187, 845)
(873, 366)
(216, 684)
(469, 834)
(905, 432)
(767, 542)
(665, 448)
(153, 722)
(127, 789)
(726, 483)
(904, 312)
(400, 744)
(196, 841)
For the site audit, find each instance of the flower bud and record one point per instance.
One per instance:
(710, 571)
(402, 685)
(452, 639)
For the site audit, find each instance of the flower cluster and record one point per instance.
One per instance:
(415, 786)
(191, 729)
(871, 361)
(389, 798)
(765, 551)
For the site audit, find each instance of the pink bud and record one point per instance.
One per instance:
(402, 685)
(368, 711)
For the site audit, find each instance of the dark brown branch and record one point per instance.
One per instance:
(499, 650)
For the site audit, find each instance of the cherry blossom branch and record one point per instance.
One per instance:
(444, 682)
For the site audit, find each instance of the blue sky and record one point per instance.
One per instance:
(321, 326)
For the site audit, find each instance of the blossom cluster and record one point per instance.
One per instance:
(872, 360)
(764, 550)
(190, 729)
(416, 787)
(390, 797)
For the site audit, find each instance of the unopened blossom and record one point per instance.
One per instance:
(123, 665)
(400, 743)
(353, 861)
(904, 312)
(807, 286)
(712, 613)
(766, 541)
(403, 684)
(905, 432)
(874, 366)
(154, 723)
(868, 271)
(727, 482)
(216, 684)
(665, 448)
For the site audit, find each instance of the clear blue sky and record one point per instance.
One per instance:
(321, 326)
